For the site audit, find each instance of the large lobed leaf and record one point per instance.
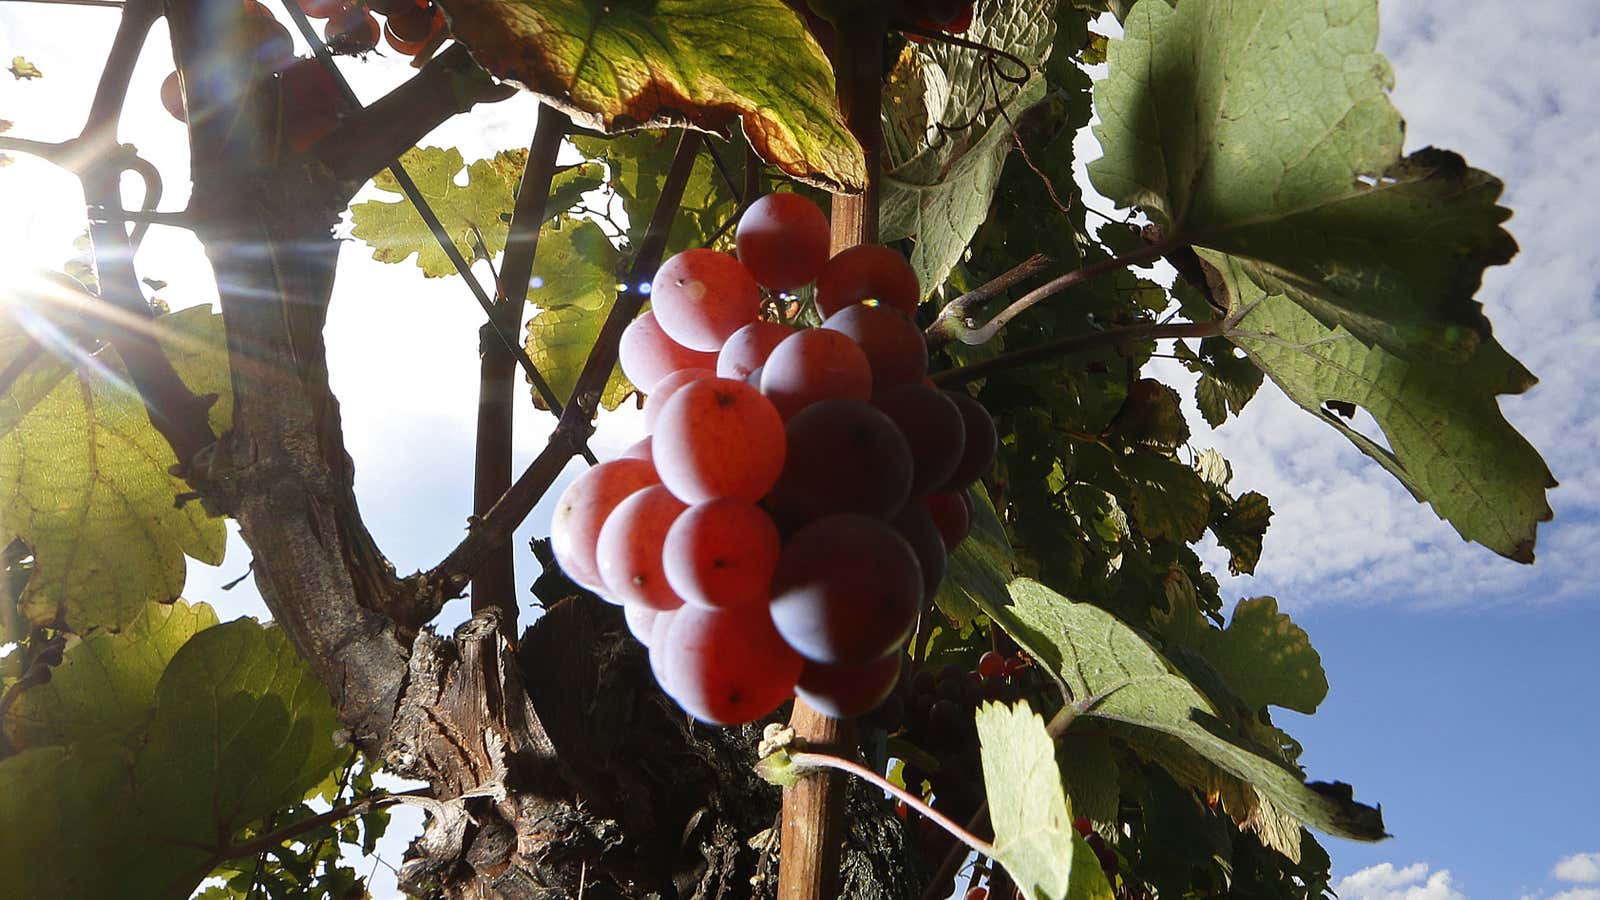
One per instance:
(1136, 695)
(949, 127)
(234, 728)
(576, 286)
(1449, 444)
(84, 477)
(477, 211)
(1033, 834)
(707, 63)
(1263, 128)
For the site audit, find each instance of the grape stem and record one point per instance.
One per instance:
(955, 321)
(1077, 343)
(807, 760)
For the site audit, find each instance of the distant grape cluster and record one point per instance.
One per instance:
(409, 27)
(779, 531)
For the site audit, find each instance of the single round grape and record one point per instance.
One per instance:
(845, 692)
(951, 516)
(719, 438)
(934, 430)
(641, 621)
(172, 98)
(846, 591)
(917, 527)
(325, 9)
(628, 550)
(352, 31)
(639, 449)
(582, 509)
(665, 388)
(991, 664)
(727, 666)
(722, 554)
(812, 365)
(981, 442)
(747, 349)
(895, 348)
(701, 297)
(844, 456)
(783, 240)
(647, 355)
(658, 647)
(411, 25)
(868, 272)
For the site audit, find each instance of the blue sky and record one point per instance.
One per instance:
(1461, 683)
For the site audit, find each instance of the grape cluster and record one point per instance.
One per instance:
(305, 85)
(789, 515)
(935, 711)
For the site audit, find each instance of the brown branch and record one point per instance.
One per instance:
(369, 139)
(1076, 343)
(495, 583)
(959, 309)
(496, 526)
(961, 328)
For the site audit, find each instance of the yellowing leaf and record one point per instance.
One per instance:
(575, 287)
(707, 63)
(84, 479)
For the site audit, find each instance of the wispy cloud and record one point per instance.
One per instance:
(1583, 868)
(1385, 882)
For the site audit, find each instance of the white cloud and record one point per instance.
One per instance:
(1584, 893)
(1385, 882)
(1580, 867)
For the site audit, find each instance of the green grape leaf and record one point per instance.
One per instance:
(1123, 685)
(1033, 834)
(1166, 498)
(638, 164)
(1267, 659)
(22, 70)
(1227, 381)
(1305, 185)
(481, 208)
(240, 729)
(1151, 416)
(1089, 770)
(1448, 441)
(980, 567)
(84, 480)
(1239, 526)
(937, 184)
(576, 286)
(706, 63)
(105, 688)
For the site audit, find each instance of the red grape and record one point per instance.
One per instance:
(628, 550)
(727, 666)
(981, 442)
(719, 438)
(641, 621)
(848, 691)
(934, 429)
(172, 97)
(918, 528)
(411, 25)
(747, 349)
(977, 893)
(639, 449)
(658, 648)
(666, 387)
(400, 44)
(991, 664)
(312, 99)
(324, 9)
(952, 516)
(391, 7)
(815, 364)
(847, 590)
(582, 509)
(722, 554)
(844, 456)
(894, 346)
(783, 240)
(648, 355)
(701, 297)
(868, 271)
(352, 31)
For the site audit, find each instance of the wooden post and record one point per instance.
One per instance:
(813, 809)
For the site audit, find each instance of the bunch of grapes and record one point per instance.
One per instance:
(305, 86)
(935, 711)
(789, 516)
